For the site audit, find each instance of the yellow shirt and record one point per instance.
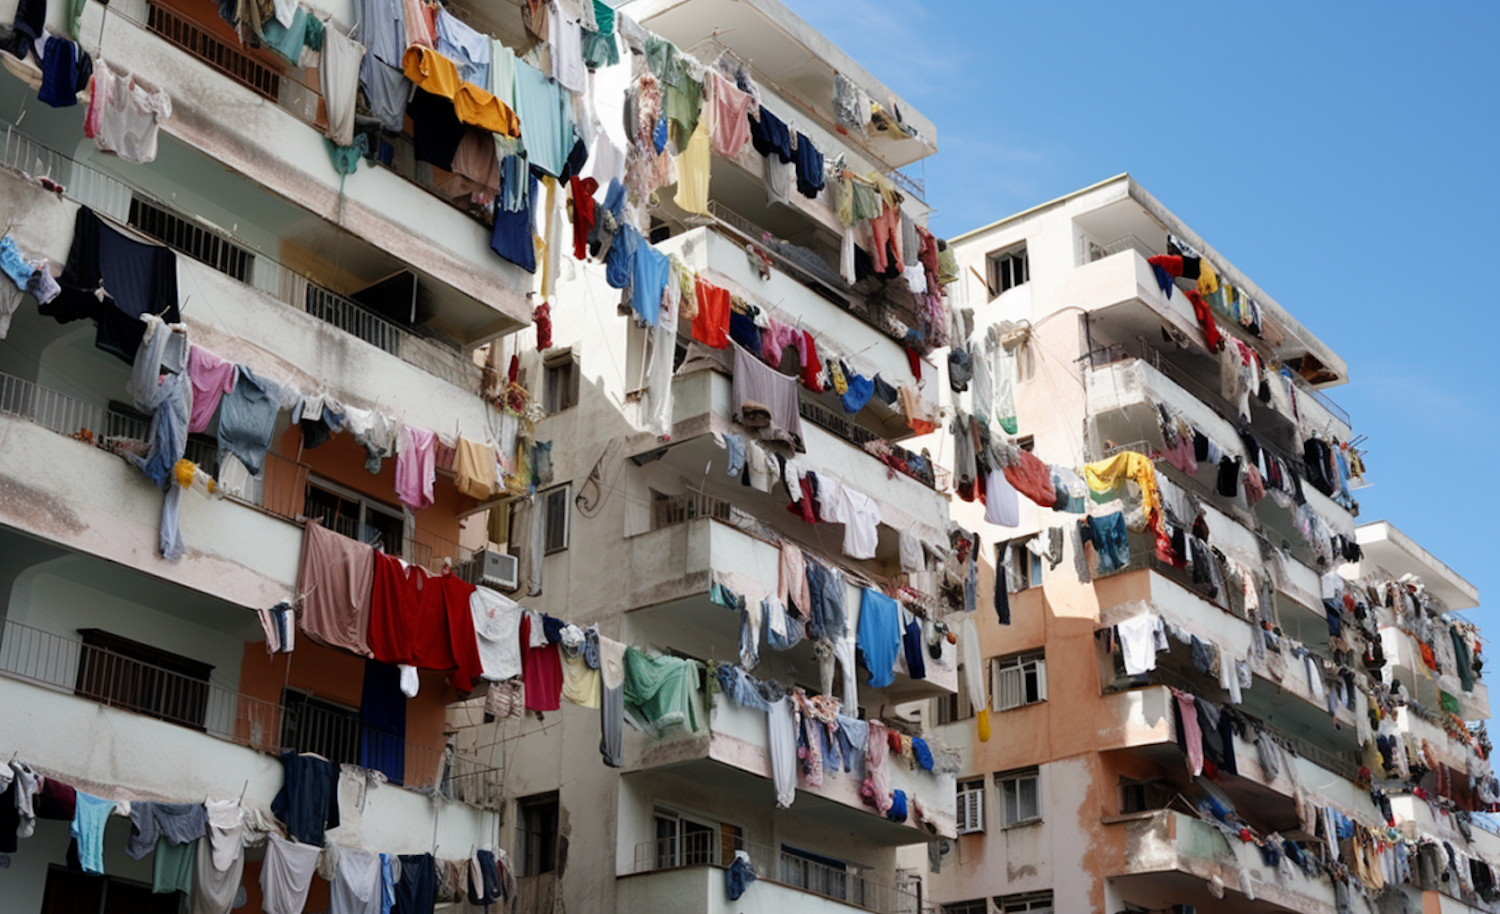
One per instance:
(432, 72)
(1208, 280)
(692, 171)
(580, 684)
(1104, 475)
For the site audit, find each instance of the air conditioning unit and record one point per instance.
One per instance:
(499, 570)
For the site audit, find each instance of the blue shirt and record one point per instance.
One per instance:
(879, 636)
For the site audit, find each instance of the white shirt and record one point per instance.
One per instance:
(860, 516)
(497, 626)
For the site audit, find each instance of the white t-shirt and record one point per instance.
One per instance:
(497, 625)
(1002, 504)
(860, 516)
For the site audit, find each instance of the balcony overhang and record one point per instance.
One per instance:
(789, 54)
(1386, 546)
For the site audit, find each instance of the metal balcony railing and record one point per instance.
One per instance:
(111, 197)
(1090, 250)
(771, 864)
(69, 666)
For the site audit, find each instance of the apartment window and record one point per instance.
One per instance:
(1028, 903)
(552, 508)
(1023, 568)
(1020, 797)
(191, 239)
(1142, 796)
(1020, 680)
(977, 906)
(956, 706)
(970, 810)
(560, 381)
(311, 724)
(536, 833)
(1007, 269)
(350, 514)
(683, 841)
(127, 674)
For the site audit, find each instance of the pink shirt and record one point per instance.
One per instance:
(731, 117)
(212, 378)
(416, 467)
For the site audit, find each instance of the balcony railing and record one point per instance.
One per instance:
(1090, 250)
(795, 871)
(111, 197)
(70, 666)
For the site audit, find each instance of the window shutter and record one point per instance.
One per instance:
(1041, 680)
(1010, 687)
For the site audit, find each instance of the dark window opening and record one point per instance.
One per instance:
(123, 673)
(190, 239)
(1008, 269)
(537, 833)
(311, 724)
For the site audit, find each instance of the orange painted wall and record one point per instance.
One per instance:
(342, 461)
(338, 677)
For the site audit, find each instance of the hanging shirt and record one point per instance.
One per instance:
(286, 875)
(565, 43)
(416, 467)
(497, 626)
(546, 119)
(308, 801)
(124, 116)
(692, 172)
(879, 636)
(542, 671)
(247, 419)
(467, 48)
(1002, 504)
(860, 516)
(731, 109)
(335, 578)
(212, 378)
(711, 323)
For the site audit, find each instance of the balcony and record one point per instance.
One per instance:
(57, 677)
(1280, 690)
(671, 594)
(1147, 730)
(790, 60)
(703, 403)
(1158, 858)
(1404, 657)
(222, 120)
(837, 315)
(1116, 236)
(690, 878)
(1122, 401)
(1386, 547)
(265, 285)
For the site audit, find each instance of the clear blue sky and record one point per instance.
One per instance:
(1340, 154)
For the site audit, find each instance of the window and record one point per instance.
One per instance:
(552, 506)
(148, 680)
(1007, 269)
(970, 810)
(560, 381)
(536, 833)
(977, 906)
(190, 239)
(1023, 568)
(681, 841)
(1141, 796)
(359, 518)
(956, 706)
(311, 724)
(1020, 680)
(1020, 797)
(1028, 903)
(70, 890)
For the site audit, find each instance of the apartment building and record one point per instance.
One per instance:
(217, 649)
(656, 536)
(1210, 685)
(131, 677)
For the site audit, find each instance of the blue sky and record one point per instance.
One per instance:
(1341, 155)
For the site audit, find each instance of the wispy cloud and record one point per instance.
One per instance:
(899, 41)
